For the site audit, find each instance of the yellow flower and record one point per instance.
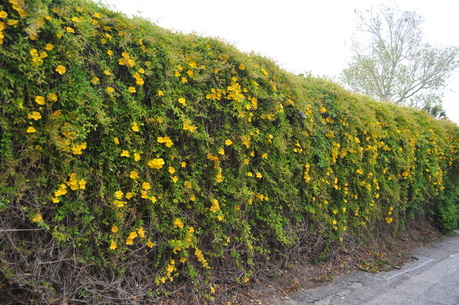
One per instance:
(113, 245)
(82, 184)
(323, 109)
(146, 186)
(116, 140)
(115, 229)
(156, 163)
(219, 177)
(3, 14)
(12, 22)
(34, 115)
(119, 194)
(171, 170)
(49, 46)
(139, 81)
(174, 179)
(178, 223)
(388, 219)
(264, 156)
(136, 157)
(182, 101)
(250, 174)
(150, 244)
(221, 151)
(141, 232)
(37, 218)
(228, 142)
(246, 161)
(109, 90)
(106, 72)
(40, 100)
(187, 126)
(31, 129)
(135, 127)
(52, 97)
(259, 175)
(69, 30)
(129, 241)
(61, 69)
(132, 235)
(129, 195)
(134, 175)
(132, 90)
(160, 93)
(183, 164)
(188, 184)
(95, 80)
(215, 206)
(125, 153)
(166, 140)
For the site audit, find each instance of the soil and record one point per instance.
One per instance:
(382, 254)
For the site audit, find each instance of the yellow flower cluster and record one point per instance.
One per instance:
(73, 183)
(215, 94)
(140, 232)
(135, 127)
(37, 58)
(200, 257)
(34, 115)
(215, 206)
(156, 163)
(166, 141)
(178, 223)
(18, 5)
(2, 27)
(138, 78)
(306, 176)
(187, 125)
(77, 149)
(37, 218)
(76, 184)
(126, 60)
(61, 69)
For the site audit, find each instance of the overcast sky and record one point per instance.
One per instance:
(300, 35)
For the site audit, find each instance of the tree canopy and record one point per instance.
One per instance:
(392, 62)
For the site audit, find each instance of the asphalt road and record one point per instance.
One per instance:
(432, 278)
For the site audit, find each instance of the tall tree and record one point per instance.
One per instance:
(392, 62)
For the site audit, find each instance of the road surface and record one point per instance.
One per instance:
(431, 278)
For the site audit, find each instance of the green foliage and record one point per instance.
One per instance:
(137, 155)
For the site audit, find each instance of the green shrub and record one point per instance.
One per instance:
(134, 158)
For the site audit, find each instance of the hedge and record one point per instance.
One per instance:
(134, 158)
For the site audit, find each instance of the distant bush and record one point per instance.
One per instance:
(134, 158)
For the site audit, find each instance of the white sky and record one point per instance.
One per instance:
(300, 35)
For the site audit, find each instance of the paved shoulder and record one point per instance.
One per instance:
(430, 279)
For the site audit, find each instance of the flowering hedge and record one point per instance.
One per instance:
(134, 157)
